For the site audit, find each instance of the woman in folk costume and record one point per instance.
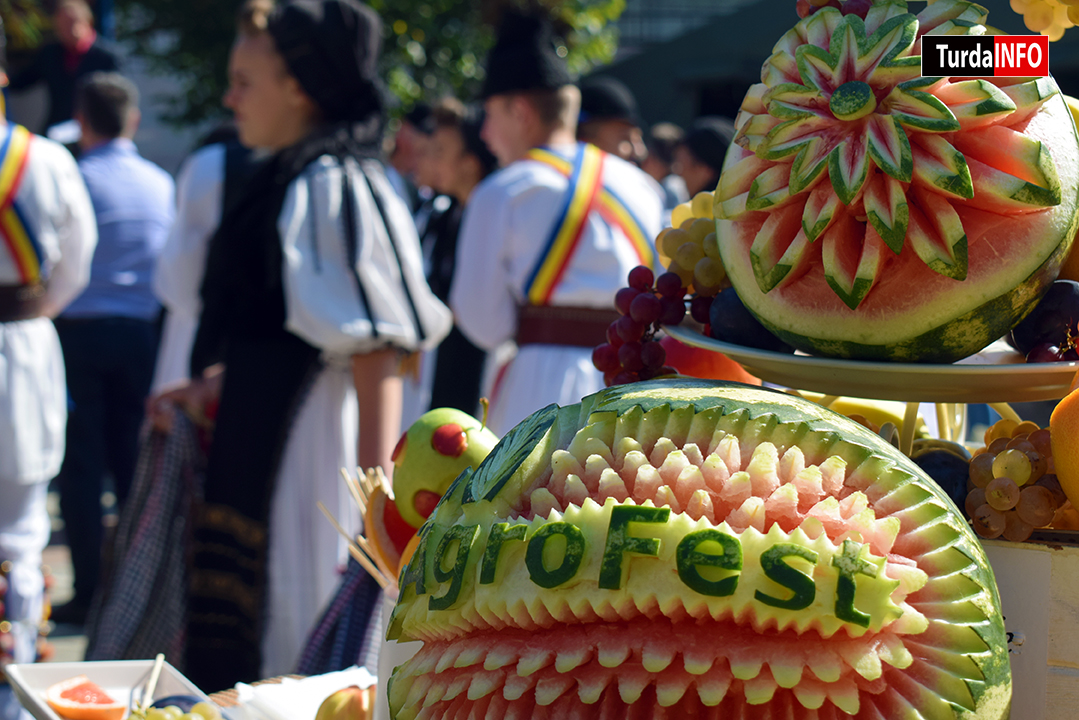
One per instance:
(548, 240)
(47, 238)
(209, 179)
(316, 269)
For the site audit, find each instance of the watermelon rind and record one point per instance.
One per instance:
(550, 624)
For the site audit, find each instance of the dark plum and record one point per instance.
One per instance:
(1051, 321)
(948, 470)
(732, 323)
(184, 702)
(1045, 352)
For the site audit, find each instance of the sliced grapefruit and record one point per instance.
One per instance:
(407, 553)
(703, 364)
(79, 699)
(387, 532)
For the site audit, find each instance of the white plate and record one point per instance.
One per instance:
(996, 374)
(118, 678)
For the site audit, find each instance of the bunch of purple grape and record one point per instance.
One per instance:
(631, 352)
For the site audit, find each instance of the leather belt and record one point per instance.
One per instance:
(566, 326)
(21, 302)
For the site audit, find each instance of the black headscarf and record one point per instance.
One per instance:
(331, 47)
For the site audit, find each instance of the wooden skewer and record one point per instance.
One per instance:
(384, 482)
(363, 542)
(364, 561)
(354, 489)
(372, 481)
(366, 546)
(148, 694)
(361, 558)
(365, 481)
(370, 568)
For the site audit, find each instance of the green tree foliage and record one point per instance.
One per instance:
(431, 48)
(25, 24)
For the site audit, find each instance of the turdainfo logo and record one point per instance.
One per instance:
(985, 56)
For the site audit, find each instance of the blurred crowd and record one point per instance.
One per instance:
(315, 278)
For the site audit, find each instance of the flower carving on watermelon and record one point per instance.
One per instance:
(847, 157)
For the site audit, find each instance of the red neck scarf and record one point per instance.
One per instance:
(73, 56)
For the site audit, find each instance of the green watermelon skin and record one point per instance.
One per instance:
(960, 337)
(871, 289)
(507, 644)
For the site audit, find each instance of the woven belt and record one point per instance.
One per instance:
(567, 326)
(21, 302)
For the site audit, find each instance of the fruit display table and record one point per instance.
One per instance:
(1039, 592)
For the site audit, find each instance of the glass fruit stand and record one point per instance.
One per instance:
(1039, 579)
(996, 376)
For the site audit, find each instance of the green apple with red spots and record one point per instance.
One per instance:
(430, 456)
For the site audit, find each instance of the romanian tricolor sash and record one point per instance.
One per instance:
(586, 194)
(17, 236)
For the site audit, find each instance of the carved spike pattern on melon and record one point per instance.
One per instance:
(696, 673)
(656, 649)
(843, 132)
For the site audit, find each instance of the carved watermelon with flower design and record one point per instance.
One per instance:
(865, 211)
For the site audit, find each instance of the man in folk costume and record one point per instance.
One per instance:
(548, 240)
(47, 239)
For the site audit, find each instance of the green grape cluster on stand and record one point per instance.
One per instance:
(690, 245)
(1012, 487)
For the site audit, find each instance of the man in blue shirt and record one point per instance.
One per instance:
(109, 333)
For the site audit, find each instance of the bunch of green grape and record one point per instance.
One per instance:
(200, 711)
(1012, 484)
(690, 244)
(1048, 17)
